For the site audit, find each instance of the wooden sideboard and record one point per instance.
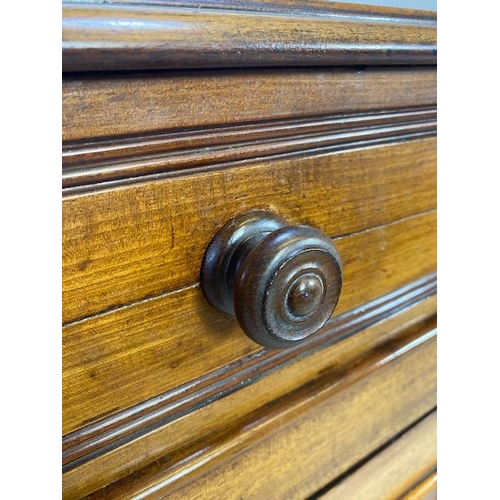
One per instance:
(179, 116)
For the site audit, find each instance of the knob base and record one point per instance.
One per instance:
(227, 251)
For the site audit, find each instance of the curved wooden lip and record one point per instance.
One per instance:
(122, 161)
(146, 36)
(306, 7)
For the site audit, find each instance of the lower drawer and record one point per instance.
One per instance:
(401, 469)
(324, 433)
(306, 421)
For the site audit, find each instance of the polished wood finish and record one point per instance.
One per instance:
(215, 431)
(179, 115)
(311, 8)
(208, 418)
(101, 162)
(302, 427)
(239, 374)
(118, 37)
(114, 360)
(281, 282)
(98, 106)
(156, 233)
(395, 469)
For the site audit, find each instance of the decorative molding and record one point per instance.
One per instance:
(116, 430)
(130, 159)
(133, 36)
(309, 8)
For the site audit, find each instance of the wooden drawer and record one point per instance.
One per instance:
(259, 396)
(148, 238)
(162, 394)
(404, 469)
(138, 250)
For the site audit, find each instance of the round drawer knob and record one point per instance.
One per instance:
(282, 282)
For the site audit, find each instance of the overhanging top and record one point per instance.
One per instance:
(207, 34)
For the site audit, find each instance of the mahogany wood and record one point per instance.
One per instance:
(117, 359)
(121, 160)
(281, 282)
(108, 106)
(325, 425)
(222, 382)
(394, 470)
(108, 37)
(310, 8)
(179, 115)
(128, 244)
(199, 416)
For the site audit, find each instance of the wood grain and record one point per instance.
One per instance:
(321, 112)
(116, 360)
(121, 161)
(210, 419)
(390, 473)
(93, 152)
(123, 245)
(99, 37)
(111, 431)
(315, 433)
(425, 490)
(98, 106)
(309, 8)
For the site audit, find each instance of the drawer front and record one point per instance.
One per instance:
(119, 358)
(399, 470)
(138, 251)
(192, 431)
(124, 245)
(148, 333)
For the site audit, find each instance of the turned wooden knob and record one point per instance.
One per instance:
(282, 282)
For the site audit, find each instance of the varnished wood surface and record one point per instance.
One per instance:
(391, 472)
(124, 245)
(325, 425)
(104, 37)
(162, 395)
(122, 160)
(118, 359)
(211, 417)
(425, 490)
(136, 104)
(309, 8)
(80, 445)
(264, 136)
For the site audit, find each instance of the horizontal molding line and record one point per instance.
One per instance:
(97, 37)
(93, 150)
(295, 405)
(112, 184)
(86, 444)
(113, 172)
